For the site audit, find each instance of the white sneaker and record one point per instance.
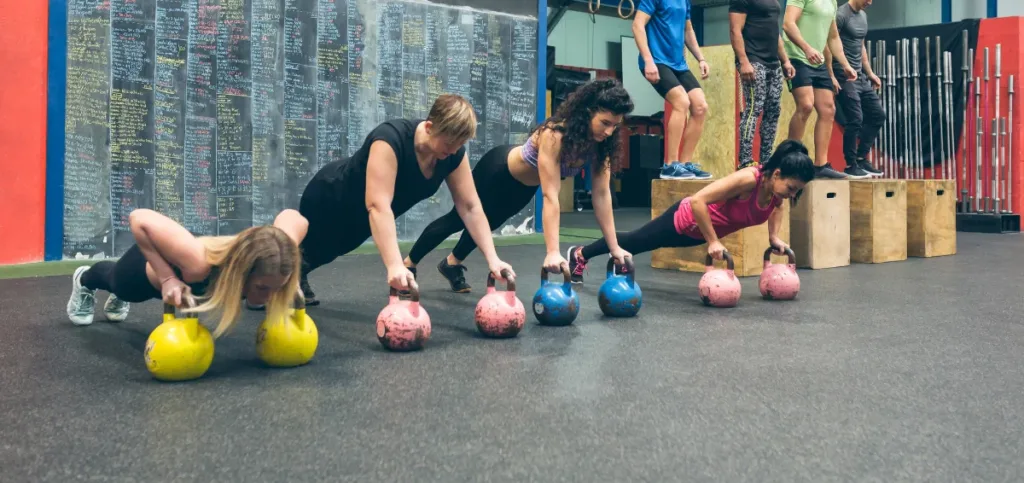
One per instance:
(82, 302)
(116, 309)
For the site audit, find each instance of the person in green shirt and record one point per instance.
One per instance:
(809, 27)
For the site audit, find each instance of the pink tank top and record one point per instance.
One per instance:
(728, 216)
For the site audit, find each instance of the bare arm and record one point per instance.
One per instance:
(865, 60)
(782, 52)
(828, 61)
(690, 38)
(167, 245)
(601, 196)
(736, 23)
(792, 31)
(640, 35)
(835, 46)
(774, 223)
(467, 204)
(292, 223)
(731, 186)
(381, 172)
(550, 172)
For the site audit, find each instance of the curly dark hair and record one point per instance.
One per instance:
(572, 119)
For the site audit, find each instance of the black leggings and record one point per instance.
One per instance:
(657, 233)
(501, 196)
(125, 278)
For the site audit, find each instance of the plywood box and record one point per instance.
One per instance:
(566, 198)
(931, 218)
(878, 220)
(820, 225)
(746, 246)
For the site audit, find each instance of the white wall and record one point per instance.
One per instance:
(582, 40)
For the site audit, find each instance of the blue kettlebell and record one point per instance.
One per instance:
(556, 304)
(620, 296)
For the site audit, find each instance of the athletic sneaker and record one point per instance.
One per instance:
(82, 302)
(698, 173)
(456, 276)
(854, 171)
(116, 309)
(826, 172)
(866, 166)
(577, 264)
(675, 170)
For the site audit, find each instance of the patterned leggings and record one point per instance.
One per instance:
(764, 95)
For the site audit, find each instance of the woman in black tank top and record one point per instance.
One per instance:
(400, 163)
(167, 262)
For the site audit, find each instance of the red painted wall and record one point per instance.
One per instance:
(23, 51)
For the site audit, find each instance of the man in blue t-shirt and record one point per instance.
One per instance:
(661, 29)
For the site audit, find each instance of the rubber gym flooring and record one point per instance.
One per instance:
(907, 371)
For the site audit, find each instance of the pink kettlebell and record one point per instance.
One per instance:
(718, 287)
(779, 282)
(403, 325)
(500, 314)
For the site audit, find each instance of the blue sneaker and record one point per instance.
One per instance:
(675, 170)
(694, 169)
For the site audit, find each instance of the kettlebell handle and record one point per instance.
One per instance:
(565, 275)
(510, 285)
(789, 253)
(170, 309)
(413, 290)
(613, 267)
(708, 261)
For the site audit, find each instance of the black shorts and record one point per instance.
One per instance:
(671, 78)
(806, 75)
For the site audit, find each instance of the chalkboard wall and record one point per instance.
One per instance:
(217, 112)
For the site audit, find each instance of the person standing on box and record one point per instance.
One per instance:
(808, 28)
(761, 61)
(857, 97)
(662, 28)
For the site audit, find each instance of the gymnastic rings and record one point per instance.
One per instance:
(632, 8)
(593, 9)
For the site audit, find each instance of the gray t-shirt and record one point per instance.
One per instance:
(852, 27)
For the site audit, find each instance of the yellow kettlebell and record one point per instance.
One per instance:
(290, 341)
(179, 349)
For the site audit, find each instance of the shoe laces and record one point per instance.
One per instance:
(581, 264)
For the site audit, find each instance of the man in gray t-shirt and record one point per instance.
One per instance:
(858, 100)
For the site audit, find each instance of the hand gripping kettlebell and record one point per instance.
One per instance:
(290, 341)
(620, 296)
(779, 282)
(500, 314)
(179, 349)
(556, 304)
(403, 325)
(719, 288)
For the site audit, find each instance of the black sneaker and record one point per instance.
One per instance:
(308, 293)
(456, 275)
(854, 171)
(867, 167)
(577, 264)
(826, 172)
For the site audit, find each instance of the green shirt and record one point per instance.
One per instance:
(814, 24)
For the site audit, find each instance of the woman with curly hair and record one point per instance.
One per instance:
(580, 133)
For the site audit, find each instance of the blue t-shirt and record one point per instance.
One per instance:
(666, 31)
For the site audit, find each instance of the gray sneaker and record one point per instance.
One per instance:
(116, 309)
(82, 302)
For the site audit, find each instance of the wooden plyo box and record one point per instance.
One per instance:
(878, 220)
(746, 246)
(820, 225)
(566, 196)
(931, 218)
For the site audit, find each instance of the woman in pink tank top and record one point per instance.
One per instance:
(748, 197)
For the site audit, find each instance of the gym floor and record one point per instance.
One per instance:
(892, 372)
